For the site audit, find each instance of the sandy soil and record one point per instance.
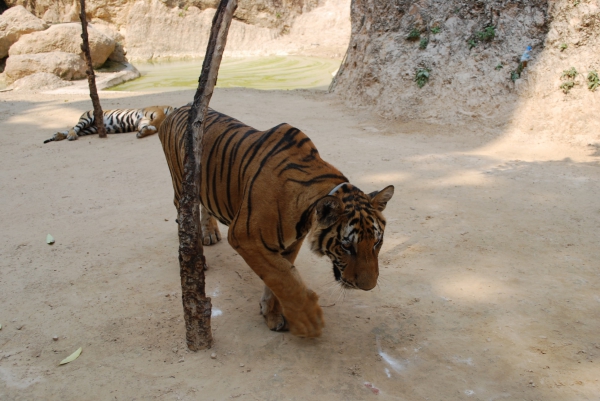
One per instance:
(489, 273)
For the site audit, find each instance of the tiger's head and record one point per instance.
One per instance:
(156, 114)
(348, 227)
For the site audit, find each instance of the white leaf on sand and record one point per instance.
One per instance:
(49, 239)
(71, 357)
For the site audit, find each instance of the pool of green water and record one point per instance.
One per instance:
(275, 72)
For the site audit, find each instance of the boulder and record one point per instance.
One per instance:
(119, 53)
(67, 66)
(40, 81)
(15, 22)
(65, 38)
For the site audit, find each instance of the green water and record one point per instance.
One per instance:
(276, 72)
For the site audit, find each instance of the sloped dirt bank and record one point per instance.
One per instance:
(470, 50)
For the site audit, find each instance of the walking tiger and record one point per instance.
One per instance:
(273, 190)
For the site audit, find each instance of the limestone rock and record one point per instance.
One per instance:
(65, 38)
(119, 54)
(15, 22)
(67, 66)
(40, 81)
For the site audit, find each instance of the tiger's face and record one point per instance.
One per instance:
(155, 115)
(349, 229)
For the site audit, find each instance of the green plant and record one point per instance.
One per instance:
(514, 75)
(563, 47)
(576, 3)
(571, 73)
(422, 77)
(423, 44)
(569, 77)
(487, 35)
(414, 34)
(567, 86)
(435, 30)
(278, 15)
(499, 67)
(471, 43)
(593, 81)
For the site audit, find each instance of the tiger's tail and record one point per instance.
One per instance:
(50, 140)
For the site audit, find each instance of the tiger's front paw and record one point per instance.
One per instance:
(147, 130)
(270, 309)
(210, 231)
(305, 320)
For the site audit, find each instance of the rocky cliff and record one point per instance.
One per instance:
(452, 61)
(157, 29)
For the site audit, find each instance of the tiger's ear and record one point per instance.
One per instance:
(380, 198)
(329, 209)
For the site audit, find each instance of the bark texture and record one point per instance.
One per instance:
(196, 306)
(85, 47)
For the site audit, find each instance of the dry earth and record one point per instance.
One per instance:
(489, 273)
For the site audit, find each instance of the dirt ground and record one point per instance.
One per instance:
(489, 273)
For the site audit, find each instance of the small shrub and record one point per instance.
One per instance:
(569, 77)
(499, 67)
(571, 73)
(567, 86)
(471, 43)
(593, 81)
(514, 76)
(414, 34)
(422, 77)
(435, 30)
(423, 44)
(563, 47)
(487, 35)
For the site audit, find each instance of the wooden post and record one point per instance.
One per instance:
(85, 47)
(196, 306)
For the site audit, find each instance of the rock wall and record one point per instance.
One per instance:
(470, 50)
(158, 29)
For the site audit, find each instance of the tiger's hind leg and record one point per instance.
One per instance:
(270, 307)
(210, 230)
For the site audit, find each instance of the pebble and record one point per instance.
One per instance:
(241, 365)
(213, 355)
(55, 338)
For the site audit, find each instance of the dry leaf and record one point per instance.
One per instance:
(49, 239)
(71, 357)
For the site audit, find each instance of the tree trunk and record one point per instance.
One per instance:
(85, 47)
(196, 306)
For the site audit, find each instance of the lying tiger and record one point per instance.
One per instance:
(145, 121)
(272, 188)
